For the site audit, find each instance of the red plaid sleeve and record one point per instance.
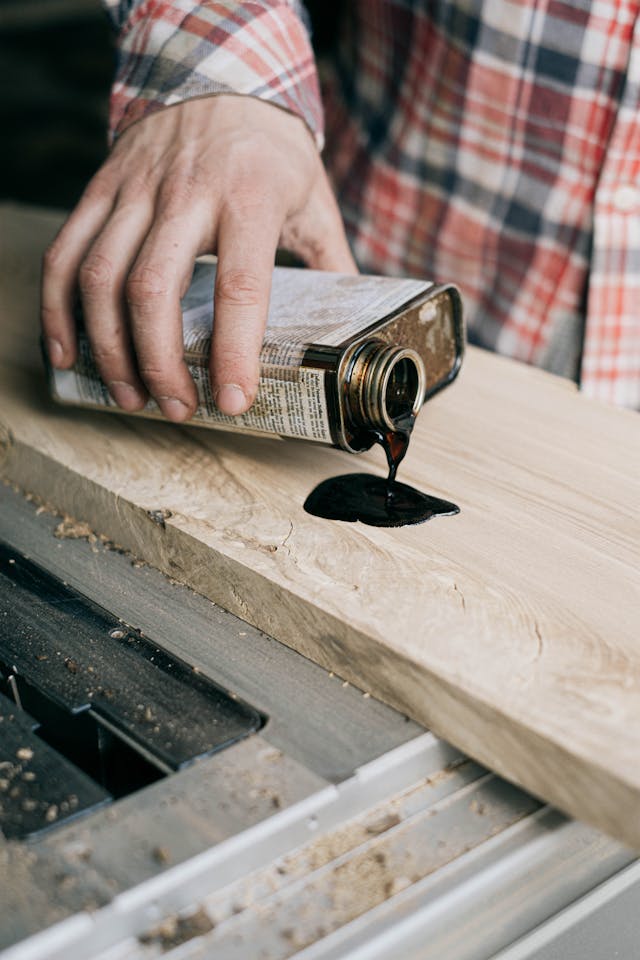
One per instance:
(498, 145)
(174, 50)
(611, 355)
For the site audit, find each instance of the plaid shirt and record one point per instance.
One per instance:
(495, 143)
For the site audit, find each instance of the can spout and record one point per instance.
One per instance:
(385, 385)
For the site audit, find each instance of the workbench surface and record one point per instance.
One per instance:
(511, 629)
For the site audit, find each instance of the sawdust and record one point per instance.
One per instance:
(43, 506)
(70, 528)
(176, 930)
(385, 823)
(161, 855)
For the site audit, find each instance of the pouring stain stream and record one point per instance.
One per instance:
(378, 501)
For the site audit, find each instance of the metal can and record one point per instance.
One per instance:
(343, 356)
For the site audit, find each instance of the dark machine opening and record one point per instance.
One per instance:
(82, 739)
(90, 709)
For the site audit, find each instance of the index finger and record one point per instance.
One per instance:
(60, 270)
(246, 254)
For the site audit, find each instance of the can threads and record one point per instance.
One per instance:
(385, 385)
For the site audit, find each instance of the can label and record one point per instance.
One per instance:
(307, 307)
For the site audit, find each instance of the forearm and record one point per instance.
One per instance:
(169, 52)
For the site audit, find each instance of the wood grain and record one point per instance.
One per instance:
(512, 629)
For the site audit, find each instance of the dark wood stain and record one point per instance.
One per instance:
(378, 501)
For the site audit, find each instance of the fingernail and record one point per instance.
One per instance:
(125, 395)
(230, 399)
(174, 409)
(55, 351)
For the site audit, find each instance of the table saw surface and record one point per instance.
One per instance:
(340, 831)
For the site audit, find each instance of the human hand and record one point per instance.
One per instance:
(230, 175)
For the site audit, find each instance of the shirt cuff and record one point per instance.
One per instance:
(174, 51)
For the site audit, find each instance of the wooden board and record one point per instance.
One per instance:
(511, 629)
